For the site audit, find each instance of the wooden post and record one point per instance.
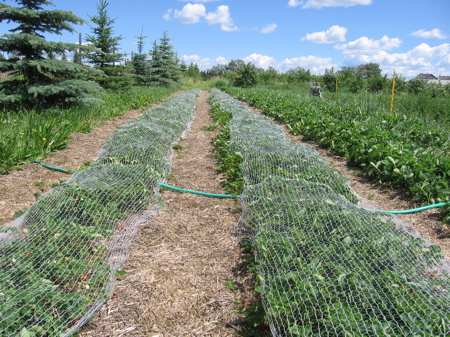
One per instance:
(391, 108)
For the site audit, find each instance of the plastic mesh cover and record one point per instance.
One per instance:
(58, 261)
(327, 266)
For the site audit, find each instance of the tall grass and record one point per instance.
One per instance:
(31, 135)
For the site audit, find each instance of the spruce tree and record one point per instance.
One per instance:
(106, 57)
(103, 39)
(140, 62)
(164, 66)
(38, 74)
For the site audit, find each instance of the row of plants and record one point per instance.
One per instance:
(58, 262)
(326, 266)
(31, 135)
(406, 150)
(257, 142)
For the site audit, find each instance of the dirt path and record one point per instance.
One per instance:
(181, 257)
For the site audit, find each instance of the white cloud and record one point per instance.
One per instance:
(430, 34)
(332, 35)
(364, 45)
(222, 16)
(294, 3)
(270, 28)
(168, 15)
(317, 4)
(201, 0)
(203, 63)
(221, 60)
(261, 61)
(421, 59)
(424, 50)
(445, 62)
(190, 58)
(190, 14)
(193, 13)
(315, 64)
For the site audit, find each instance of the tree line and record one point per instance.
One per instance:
(36, 73)
(362, 78)
(39, 74)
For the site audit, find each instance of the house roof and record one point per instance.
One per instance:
(444, 78)
(426, 77)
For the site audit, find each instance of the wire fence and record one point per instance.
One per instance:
(58, 261)
(327, 266)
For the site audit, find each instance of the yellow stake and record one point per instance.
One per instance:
(391, 108)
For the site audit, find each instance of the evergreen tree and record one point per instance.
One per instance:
(106, 57)
(39, 77)
(140, 62)
(102, 38)
(193, 71)
(164, 66)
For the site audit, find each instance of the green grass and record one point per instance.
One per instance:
(31, 135)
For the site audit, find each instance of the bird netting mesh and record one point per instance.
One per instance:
(58, 261)
(327, 266)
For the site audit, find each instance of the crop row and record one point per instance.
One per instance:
(405, 150)
(58, 262)
(328, 267)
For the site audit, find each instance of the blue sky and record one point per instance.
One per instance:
(409, 36)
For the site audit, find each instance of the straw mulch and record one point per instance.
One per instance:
(181, 258)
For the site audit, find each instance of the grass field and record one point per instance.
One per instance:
(31, 135)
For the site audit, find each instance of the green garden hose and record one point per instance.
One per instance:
(54, 168)
(197, 192)
(414, 210)
(213, 195)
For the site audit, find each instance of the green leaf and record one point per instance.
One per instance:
(26, 333)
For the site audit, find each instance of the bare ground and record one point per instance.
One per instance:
(180, 258)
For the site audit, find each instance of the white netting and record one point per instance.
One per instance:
(327, 266)
(58, 261)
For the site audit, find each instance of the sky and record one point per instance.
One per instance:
(408, 36)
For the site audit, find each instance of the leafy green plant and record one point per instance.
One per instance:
(325, 265)
(406, 150)
(33, 134)
(59, 263)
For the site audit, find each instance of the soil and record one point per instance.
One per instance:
(180, 259)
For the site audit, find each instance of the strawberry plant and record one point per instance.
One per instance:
(407, 150)
(325, 265)
(57, 265)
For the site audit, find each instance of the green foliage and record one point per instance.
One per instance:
(140, 63)
(408, 150)
(31, 135)
(164, 66)
(326, 266)
(378, 83)
(57, 266)
(39, 78)
(118, 77)
(102, 38)
(298, 75)
(246, 75)
(192, 71)
(329, 79)
(228, 161)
